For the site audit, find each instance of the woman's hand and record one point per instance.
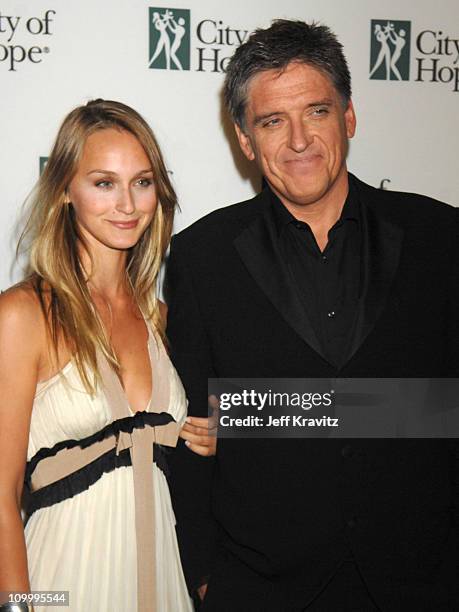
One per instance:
(200, 435)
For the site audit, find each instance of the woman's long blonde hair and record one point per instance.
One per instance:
(55, 268)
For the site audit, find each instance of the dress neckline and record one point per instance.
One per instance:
(150, 357)
(43, 386)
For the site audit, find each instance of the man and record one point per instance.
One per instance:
(318, 276)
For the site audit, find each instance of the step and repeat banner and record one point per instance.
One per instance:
(167, 60)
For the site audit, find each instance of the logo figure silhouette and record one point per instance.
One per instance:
(390, 56)
(166, 25)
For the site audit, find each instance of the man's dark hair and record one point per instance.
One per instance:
(274, 48)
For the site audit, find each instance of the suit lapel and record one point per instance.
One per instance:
(381, 248)
(258, 248)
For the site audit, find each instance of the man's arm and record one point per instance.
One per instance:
(453, 332)
(192, 474)
(453, 356)
(450, 567)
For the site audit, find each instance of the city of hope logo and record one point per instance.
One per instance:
(390, 50)
(169, 38)
(21, 39)
(42, 163)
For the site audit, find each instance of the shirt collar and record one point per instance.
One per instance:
(283, 217)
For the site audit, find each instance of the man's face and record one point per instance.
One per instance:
(297, 132)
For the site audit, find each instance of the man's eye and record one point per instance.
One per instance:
(320, 110)
(104, 184)
(272, 122)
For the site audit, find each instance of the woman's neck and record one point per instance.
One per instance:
(106, 273)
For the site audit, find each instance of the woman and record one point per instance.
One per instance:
(91, 403)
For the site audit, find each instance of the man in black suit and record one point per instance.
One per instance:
(320, 275)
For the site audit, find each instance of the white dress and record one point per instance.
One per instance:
(82, 536)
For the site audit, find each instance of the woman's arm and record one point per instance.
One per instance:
(21, 336)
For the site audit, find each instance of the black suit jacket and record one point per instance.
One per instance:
(270, 519)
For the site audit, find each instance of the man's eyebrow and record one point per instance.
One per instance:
(324, 102)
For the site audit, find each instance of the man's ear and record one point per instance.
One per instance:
(245, 143)
(350, 120)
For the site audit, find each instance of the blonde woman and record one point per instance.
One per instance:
(91, 404)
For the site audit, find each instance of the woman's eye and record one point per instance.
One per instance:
(145, 182)
(104, 184)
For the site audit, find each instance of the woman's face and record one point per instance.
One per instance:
(112, 192)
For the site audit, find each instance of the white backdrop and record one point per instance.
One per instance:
(55, 55)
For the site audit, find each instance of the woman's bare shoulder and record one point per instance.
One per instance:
(21, 313)
(21, 297)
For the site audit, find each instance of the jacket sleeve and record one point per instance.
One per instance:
(453, 363)
(191, 474)
(450, 567)
(453, 332)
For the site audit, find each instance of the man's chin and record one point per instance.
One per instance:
(304, 196)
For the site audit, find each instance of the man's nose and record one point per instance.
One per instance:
(299, 138)
(126, 202)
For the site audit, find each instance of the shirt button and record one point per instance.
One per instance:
(324, 259)
(331, 314)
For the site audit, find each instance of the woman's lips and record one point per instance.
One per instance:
(125, 224)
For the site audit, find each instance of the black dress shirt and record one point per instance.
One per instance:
(328, 281)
